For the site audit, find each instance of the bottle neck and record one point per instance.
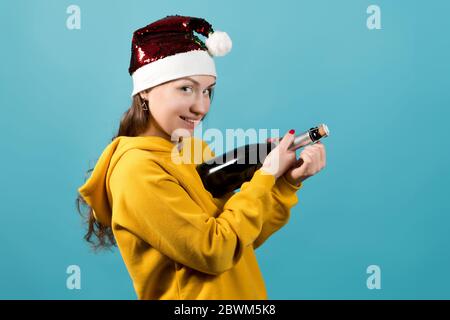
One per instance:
(300, 140)
(308, 137)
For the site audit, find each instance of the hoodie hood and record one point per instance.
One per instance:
(95, 190)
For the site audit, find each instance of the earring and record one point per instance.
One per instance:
(144, 105)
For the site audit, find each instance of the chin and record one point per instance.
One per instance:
(182, 132)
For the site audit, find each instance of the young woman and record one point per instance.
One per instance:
(177, 241)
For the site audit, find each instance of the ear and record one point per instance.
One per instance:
(144, 94)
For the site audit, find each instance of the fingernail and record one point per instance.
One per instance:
(292, 131)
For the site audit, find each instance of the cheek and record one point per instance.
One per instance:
(168, 115)
(179, 106)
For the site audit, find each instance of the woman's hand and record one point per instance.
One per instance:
(280, 159)
(312, 159)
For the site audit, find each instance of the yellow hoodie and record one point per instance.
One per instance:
(177, 241)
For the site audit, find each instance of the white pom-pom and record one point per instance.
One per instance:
(219, 43)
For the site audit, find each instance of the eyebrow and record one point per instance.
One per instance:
(196, 82)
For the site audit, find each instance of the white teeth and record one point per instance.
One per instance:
(189, 120)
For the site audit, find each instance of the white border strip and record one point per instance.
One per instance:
(195, 62)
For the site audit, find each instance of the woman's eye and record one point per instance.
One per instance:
(210, 91)
(184, 89)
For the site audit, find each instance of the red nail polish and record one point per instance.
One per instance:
(292, 131)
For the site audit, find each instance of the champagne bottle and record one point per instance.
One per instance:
(229, 171)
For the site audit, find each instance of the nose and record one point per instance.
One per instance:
(201, 106)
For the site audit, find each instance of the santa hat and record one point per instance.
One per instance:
(167, 49)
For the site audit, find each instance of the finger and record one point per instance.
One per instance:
(324, 156)
(287, 139)
(318, 162)
(314, 163)
(307, 151)
(318, 154)
(303, 170)
(272, 140)
(306, 158)
(321, 151)
(310, 160)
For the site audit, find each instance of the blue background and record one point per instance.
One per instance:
(381, 199)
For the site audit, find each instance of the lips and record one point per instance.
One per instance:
(190, 120)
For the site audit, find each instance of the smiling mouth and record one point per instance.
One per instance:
(190, 121)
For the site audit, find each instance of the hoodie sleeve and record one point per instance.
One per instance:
(153, 205)
(277, 214)
(283, 198)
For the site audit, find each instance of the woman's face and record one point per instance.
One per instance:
(178, 104)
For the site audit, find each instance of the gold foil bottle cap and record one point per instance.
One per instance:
(323, 130)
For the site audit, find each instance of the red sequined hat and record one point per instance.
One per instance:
(167, 49)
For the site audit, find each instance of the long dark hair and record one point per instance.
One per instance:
(133, 122)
